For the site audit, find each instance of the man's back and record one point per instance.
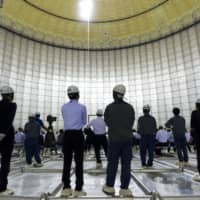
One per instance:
(119, 117)
(177, 124)
(74, 115)
(98, 125)
(146, 125)
(32, 129)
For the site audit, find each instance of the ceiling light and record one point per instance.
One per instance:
(85, 9)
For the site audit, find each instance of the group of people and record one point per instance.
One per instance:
(119, 117)
(49, 142)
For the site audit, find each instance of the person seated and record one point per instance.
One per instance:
(19, 136)
(19, 141)
(162, 137)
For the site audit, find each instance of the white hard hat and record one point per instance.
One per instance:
(72, 89)
(6, 90)
(198, 101)
(99, 112)
(119, 89)
(146, 107)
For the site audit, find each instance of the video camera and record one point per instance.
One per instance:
(51, 119)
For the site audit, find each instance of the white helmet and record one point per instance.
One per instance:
(198, 100)
(146, 107)
(120, 89)
(99, 112)
(72, 89)
(6, 90)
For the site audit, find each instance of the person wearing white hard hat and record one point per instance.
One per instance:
(7, 114)
(98, 126)
(195, 133)
(147, 129)
(119, 117)
(74, 117)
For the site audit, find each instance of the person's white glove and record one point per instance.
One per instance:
(2, 136)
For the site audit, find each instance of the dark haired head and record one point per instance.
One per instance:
(176, 111)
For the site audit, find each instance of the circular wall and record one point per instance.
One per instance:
(163, 74)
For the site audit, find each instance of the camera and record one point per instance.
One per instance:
(51, 119)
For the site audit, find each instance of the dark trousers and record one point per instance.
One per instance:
(100, 140)
(32, 148)
(73, 143)
(181, 147)
(147, 144)
(116, 150)
(197, 144)
(6, 148)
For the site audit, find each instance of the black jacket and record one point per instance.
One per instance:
(119, 117)
(7, 114)
(195, 123)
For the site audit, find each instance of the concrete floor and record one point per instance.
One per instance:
(164, 181)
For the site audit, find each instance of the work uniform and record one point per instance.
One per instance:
(7, 114)
(119, 117)
(147, 130)
(74, 116)
(32, 141)
(99, 128)
(178, 129)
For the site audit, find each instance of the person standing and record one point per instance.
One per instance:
(119, 117)
(32, 142)
(177, 124)
(74, 116)
(99, 128)
(147, 129)
(7, 114)
(195, 133)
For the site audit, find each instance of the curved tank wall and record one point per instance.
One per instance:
(163, 74)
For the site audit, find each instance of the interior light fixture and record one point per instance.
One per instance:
(85, 9)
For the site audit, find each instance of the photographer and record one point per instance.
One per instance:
(50, 140)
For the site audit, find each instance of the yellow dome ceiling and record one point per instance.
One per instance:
(113, 23)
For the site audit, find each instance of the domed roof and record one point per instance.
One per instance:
(98, 24)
